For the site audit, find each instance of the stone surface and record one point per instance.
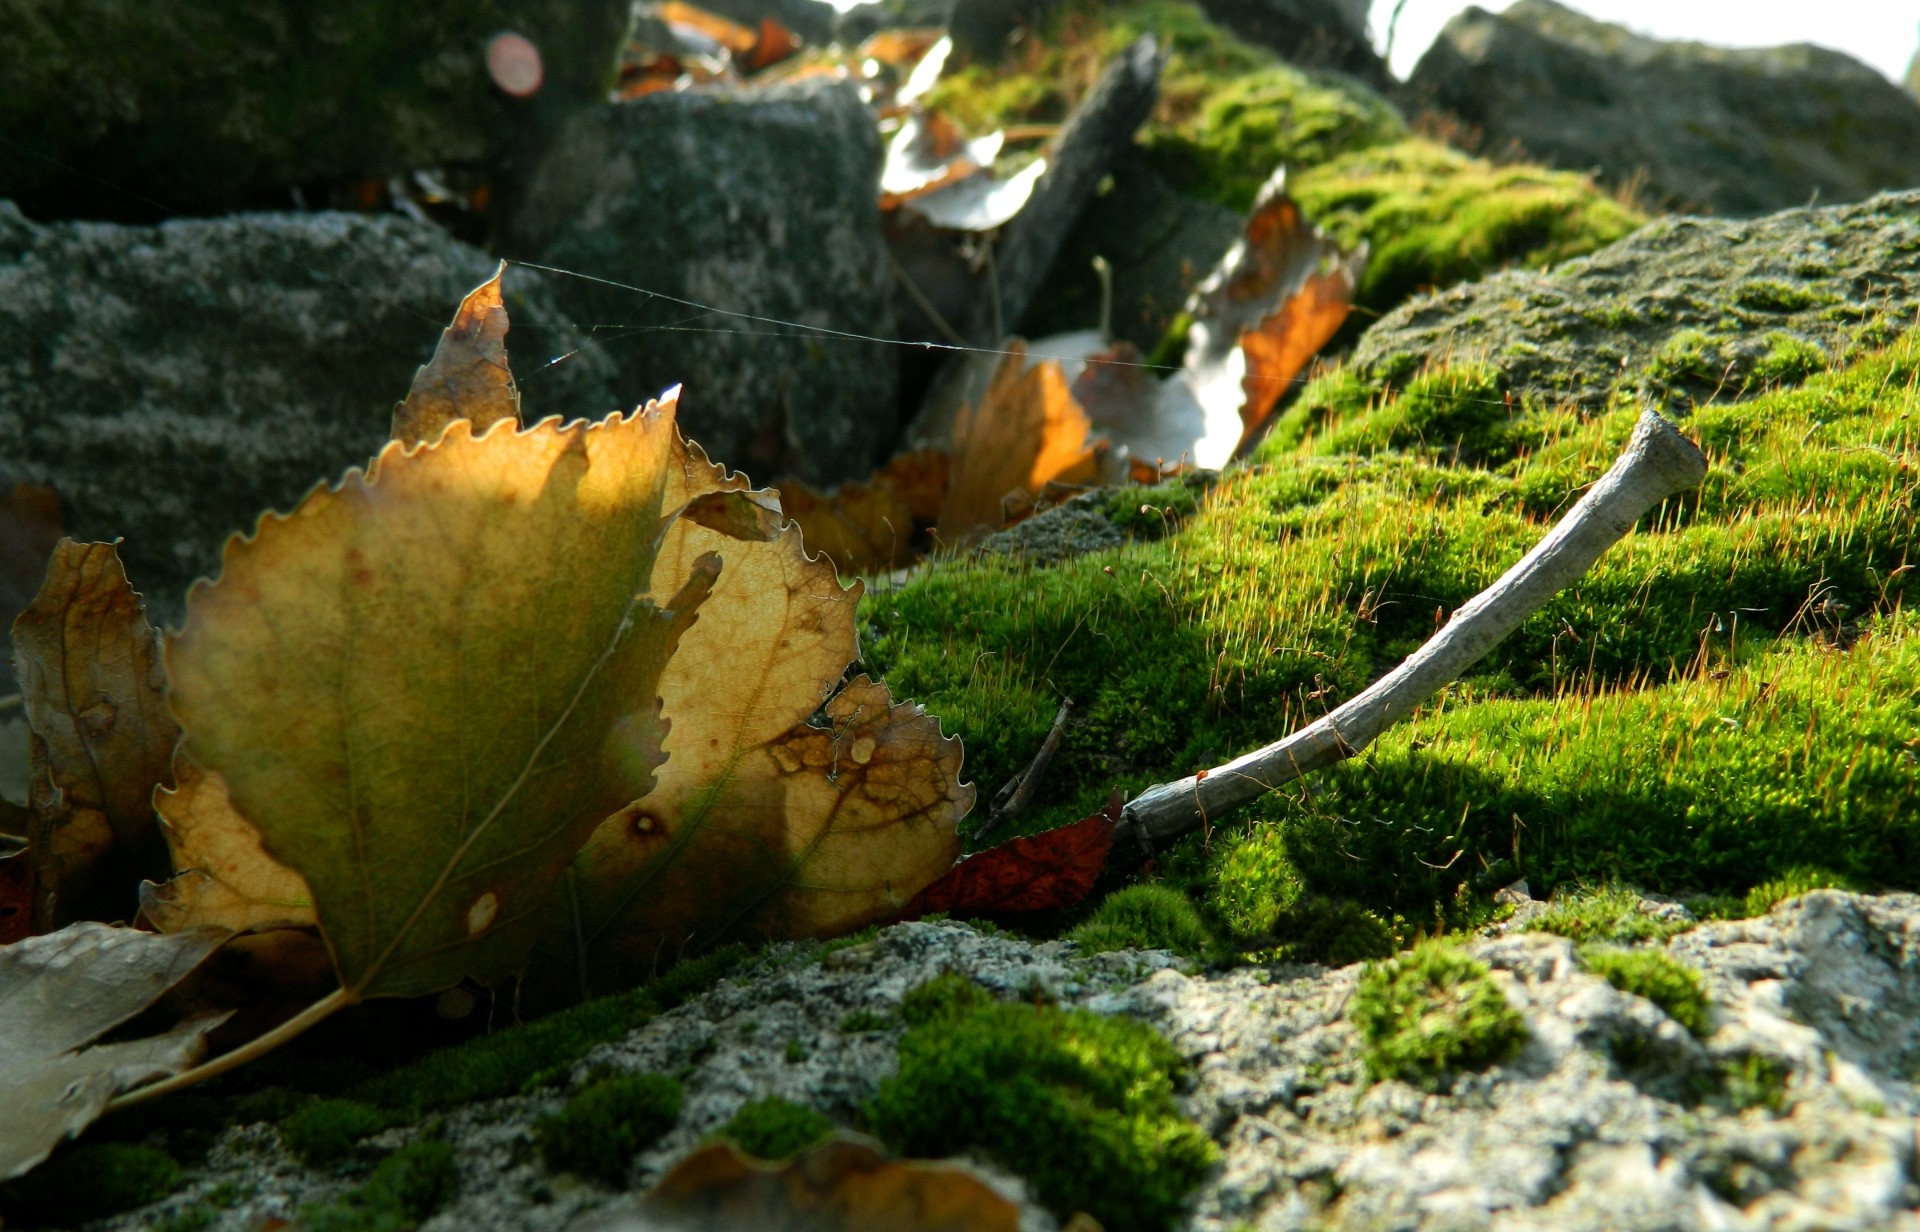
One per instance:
(1310, 33)
(1728, 131)
(1612, 1117)
(174, 382)
(139, 110)
(1614, 324)
(757, 203)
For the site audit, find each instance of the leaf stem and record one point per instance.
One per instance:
(326, 1007)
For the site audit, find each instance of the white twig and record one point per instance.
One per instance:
(1658, 463)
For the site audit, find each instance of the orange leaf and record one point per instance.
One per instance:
(876, 525)
(773, 43)
(1055, 868)
(731, 35)
(1026, 432)
(467, 378)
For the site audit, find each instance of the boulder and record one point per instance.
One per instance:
(706, 221)
(173, 382)
(135, 112)
(1310, 33)
(1684, 310)
(1728, 131)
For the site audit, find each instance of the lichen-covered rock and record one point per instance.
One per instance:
(1730, 131)
(1684, 310)
(1793, 1108)
(761, 206)
(136, 111)
(174, 382)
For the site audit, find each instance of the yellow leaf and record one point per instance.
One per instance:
(468, 377)
(428, 684)
(762, 825)
(222, 875)
(90, 672)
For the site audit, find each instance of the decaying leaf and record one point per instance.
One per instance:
(429, 683)
(222, 875)
(878, 524)
(1025, 433)
(784, 809)
(468, 377)
(845, 1184)
(29, 527)
(89, 667)
(1275, 299)
(59, 992)
(1055, 868)
(16, 897)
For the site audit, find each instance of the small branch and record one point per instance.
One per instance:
(12, 701)
(1658, 463)
(1018, 793)
(326, 1007)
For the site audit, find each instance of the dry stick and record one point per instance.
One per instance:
(1658, 463)
(1018, 793)
(260, 1046)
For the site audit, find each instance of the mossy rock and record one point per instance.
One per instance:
(1430, 1012)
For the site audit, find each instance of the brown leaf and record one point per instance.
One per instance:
(29, 527)
(16, 897)
(772, 43)
(102, 739)
(467, 378)
(930, 152)
(60, 991)
(1055, 868)
(845, 1184)
(731, 35)
(783, 809)
(1025, 433)
(222, 874)
(876, 525)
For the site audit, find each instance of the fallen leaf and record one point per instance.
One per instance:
(1055, 868)
(16, 897)
(929, 152)
(59, 992)
(876, 525)
(95, 693)
(468, 377)
(1274, 300)
(784, 809)
(686, 18)
(29, 527)
(222, 874)
(845, 1184)
(772, 43)
(1026, 432)
(979, 202)
(430, 682)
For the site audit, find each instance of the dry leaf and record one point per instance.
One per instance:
(763, 824)
(979, 202)
(29, 527)
(468, 377)
(712, 27)
(772, 43)
(222, 875)
(845, 1184)
(90, 671)
(1040, 872)
(1026, 432)
(60, 991)
(428, 684)
(16, 897)
(1275, 299)
(929, 152)
(877, 525)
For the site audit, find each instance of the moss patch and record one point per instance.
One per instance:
(1656, 975)
(1431, 1012)
(405, 1188)
(1145, 917)
(606, 1124)
(326, 1131)
(1433, 217)
(1603, 914)
(1079, 1104)
(775, 1128)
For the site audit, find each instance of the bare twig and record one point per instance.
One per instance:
(1658, 463)
(1014, 798)
(12, 701)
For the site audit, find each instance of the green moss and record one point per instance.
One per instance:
(775, 1128)
(1430, 1012)
(192, 1219)
(1145, 917)
(1788, 361)
(1433, 217)
(1656, 975)
(861, 1022)
(1773, 295)
(1801, 879)
(1754, 1081)
(1079, 1104)
(1688, 357)
(505, 1062)
(90, 1181)
(606, 1124)
(1253, 883)
(1606, 913)
(945, 996)
(326, 1131)
(405, 1188)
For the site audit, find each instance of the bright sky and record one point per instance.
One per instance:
(1883, 33)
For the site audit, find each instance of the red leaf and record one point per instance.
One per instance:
(1056, 868)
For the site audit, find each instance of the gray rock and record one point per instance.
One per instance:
(136, 111)
(174, 382)
(758, 204)
(1684, 310)
(1797, 1111)
(1310, 33)
(1728, 131)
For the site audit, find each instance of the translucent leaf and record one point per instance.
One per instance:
(468, 377)
(427, 685)
(1025, 433)
(222, 874)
